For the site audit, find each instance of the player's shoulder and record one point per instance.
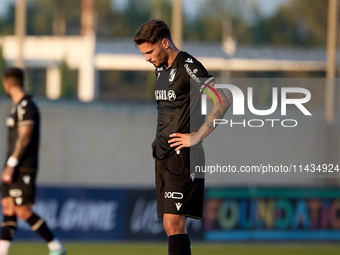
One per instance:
(186, 58)
(29, 103)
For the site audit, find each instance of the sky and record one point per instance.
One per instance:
(267, 7)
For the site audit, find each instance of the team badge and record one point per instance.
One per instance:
(172, 75)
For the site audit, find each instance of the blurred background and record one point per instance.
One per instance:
(96, 96)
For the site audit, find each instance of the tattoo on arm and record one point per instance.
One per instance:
(24, 138)
(216, 112)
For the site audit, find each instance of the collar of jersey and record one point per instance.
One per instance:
(167, 68)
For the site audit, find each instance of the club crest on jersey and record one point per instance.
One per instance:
(172, 75)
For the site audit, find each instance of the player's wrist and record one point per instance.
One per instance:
(194, 138)
(12, 161)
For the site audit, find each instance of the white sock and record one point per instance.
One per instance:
(4, 246)
(54, 245)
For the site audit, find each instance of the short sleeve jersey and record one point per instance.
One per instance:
(26, 112)
(178, 101)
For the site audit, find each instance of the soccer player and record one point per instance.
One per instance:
(19, 174)
(178, 144)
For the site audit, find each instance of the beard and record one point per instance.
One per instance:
(163, 59)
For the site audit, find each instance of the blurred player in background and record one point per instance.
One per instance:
(19, 174)
(180, 130)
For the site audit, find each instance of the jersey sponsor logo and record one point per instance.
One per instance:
(18, 200)
(191, 73)
(171, 95)
(195, 71)
(173, 195)
(163, 94)
(15, 192)
(172, 75)
(26, 179)
(178, 206)
(10, 122)
(189, 60)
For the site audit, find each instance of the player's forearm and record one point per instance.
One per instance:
(216, 112)
(20, 146)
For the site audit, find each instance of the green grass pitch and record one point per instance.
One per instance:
(135, 248)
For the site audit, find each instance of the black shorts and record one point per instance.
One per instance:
(22, 188)
(179, 191)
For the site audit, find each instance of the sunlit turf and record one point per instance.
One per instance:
(141, 248)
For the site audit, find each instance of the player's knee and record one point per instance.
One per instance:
(7, 206)
(173, 227)
(7, 211)
(23, 213)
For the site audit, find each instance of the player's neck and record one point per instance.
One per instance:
(172, 55)
(17, 95)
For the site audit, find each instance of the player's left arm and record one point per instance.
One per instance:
(196, 71)
(217, 111)
(24, 138)
(26, 113)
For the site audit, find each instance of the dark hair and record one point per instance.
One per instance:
(16, 75)
(152, 32)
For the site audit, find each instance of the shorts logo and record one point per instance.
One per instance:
(18, 200)
(178, 206)
(171, 95)
(172, 75)
(15, 192)
(26, 179)
(173, 195)
(192, 176)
